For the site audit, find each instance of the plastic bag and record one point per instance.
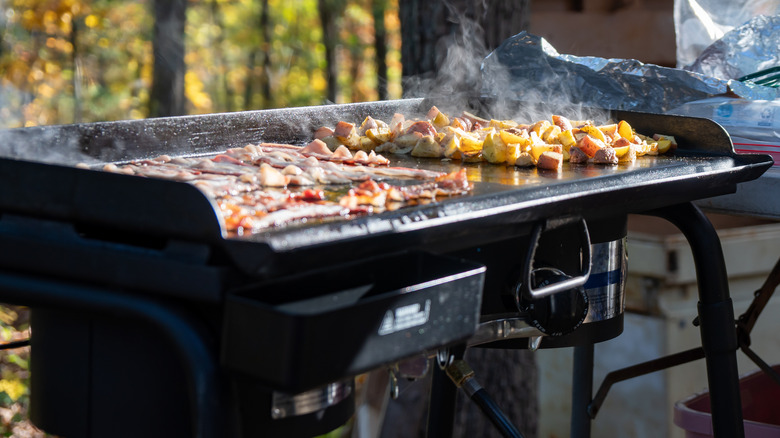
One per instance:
(698, 23)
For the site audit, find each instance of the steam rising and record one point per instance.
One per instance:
(467, 72)
(458, 56)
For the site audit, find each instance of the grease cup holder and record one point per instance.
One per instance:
(299, 332)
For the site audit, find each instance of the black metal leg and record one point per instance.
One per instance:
(441, 406)
(716, 317)
(582, 391)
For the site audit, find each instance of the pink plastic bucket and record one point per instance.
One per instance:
(760, 409)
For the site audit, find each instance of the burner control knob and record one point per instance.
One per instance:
(559, 313)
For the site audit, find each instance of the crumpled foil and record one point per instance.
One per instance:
(526, 67)
(746, 49)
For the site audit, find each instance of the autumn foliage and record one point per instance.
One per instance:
(71, 61)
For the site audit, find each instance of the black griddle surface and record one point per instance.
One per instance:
(504, 201)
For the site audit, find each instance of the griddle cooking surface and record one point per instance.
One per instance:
(504, 201)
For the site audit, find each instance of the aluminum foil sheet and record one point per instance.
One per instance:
(527, 67)
(749, 48)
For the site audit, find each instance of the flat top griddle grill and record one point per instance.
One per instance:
(705, 165)
(169, 243)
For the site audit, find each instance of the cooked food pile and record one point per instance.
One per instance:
(258, 187)
(546, 144)
(343, 174)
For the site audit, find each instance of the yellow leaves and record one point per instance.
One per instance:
(91, 21)
(14, 388)
(193, 90)
(30, 20)
(60, 45)
(46, 91)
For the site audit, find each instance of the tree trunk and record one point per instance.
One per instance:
(74, 57)
(329, 10)
(511, 379)
(443, 45)
(444, 41)
(220, 62)
(167, 96)
(265, 76)
(378, 8)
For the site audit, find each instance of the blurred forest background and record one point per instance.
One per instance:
(74, 61)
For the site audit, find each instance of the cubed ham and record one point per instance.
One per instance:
(577, 156)
(323, 132)
(423, 127)
(317, 147)
(344, 129)
(605, 156)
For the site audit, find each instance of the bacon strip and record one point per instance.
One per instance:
(253, 185)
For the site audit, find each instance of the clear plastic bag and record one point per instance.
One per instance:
(698, 23)
(753, 119)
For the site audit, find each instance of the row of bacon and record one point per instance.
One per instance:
(268, 185)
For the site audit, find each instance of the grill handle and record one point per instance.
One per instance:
(571, 282)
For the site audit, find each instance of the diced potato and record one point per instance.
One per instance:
(379, 135)
(639, 138)
(540, 148)
(550, 135)
(428, 148)
(441, 120)
(566, 138)
(660, 137)
(392, 148)
(458, 123)
(609, 130)
(502, 124)
(524, 159)
(562, 122)
(515, 136)
(408, 140)
(332, 142)
(368, 123)
(550, 160)
(622, 150)
(625, 130)
(594, 132)
(476, 120)
(629, 156)
(494, 149)
(535, 139)
(664, 146)
(513, 151)
(590, 145)
(352, 142)
(366, 144)
(539, 127)
(451, 147)
(475, 157)
(470, 145)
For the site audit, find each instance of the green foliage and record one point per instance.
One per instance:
(71, 61)
(15, 374)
